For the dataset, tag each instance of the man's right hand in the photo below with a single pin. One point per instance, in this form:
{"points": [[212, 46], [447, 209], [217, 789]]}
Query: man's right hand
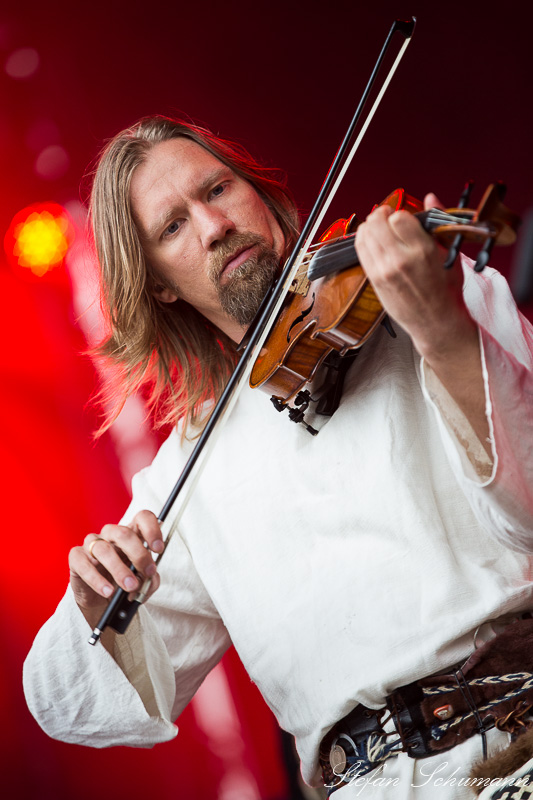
{"points": [[93, 574]]}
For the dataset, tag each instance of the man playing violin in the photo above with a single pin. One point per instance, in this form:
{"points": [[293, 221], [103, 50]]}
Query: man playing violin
{"points": [[343, 567]]}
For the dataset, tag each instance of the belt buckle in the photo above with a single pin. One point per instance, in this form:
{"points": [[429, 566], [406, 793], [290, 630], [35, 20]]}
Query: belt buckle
{"points": [[361, 724], [343, 751]]}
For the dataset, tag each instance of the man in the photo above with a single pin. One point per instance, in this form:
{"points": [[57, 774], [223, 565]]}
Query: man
{"points": [[341, 566]]}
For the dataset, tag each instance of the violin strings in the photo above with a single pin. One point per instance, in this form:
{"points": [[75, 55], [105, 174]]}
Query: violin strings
{"points": [[338, 245], [333, 243], [435, 216]]}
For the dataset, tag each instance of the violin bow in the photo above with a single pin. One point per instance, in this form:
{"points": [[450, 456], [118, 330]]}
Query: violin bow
{"points": [[121, 609]]}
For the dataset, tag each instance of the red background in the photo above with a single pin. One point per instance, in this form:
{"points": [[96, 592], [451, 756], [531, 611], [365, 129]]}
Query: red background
{"points": [[284, 79]]}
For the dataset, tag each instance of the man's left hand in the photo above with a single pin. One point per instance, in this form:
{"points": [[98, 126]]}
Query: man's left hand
{"points": [[405, 266]]}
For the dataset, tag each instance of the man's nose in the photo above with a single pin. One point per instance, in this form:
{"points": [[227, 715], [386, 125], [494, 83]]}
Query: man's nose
{"points": [[214, 225]]}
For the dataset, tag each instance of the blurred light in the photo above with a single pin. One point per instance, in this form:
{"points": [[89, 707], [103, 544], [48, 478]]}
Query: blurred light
{"points": [[38, 238], [22, 63], [52, 162]]}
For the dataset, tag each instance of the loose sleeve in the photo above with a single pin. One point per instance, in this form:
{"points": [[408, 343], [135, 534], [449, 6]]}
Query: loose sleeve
{"points": [[79, 694], [499, 489], [85, 695]]}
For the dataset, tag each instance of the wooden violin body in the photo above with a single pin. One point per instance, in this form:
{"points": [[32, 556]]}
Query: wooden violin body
{"points": [[331, 305], [337, 312]]}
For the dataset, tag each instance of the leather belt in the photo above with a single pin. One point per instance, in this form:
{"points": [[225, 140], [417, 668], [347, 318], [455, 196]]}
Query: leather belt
{"points": [[494, 687]]}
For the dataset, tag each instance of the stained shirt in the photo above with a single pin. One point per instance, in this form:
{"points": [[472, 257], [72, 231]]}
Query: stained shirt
{"points": [[341, 566]]}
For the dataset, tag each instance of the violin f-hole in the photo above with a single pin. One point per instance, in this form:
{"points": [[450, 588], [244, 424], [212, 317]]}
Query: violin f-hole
{"points": [[300, 318]]}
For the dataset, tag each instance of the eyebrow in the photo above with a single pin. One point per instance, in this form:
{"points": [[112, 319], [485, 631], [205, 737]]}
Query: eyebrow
{"points": [[173, 211]]}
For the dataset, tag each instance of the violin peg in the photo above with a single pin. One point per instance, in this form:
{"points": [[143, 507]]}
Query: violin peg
{"points": [[464, 200], [501, 190], [465, 195], [453, 252], [483, 256]]}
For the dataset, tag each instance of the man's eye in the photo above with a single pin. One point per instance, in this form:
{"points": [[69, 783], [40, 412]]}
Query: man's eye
{"points": [[172, 228], [218, 190]]}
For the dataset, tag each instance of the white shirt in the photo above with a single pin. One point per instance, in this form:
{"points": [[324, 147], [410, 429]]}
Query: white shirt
{"points": [[340, 566]]}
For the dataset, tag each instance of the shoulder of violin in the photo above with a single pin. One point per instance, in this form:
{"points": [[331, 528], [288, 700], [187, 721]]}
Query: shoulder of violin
{"points": [[399, 200], [340, 228]]}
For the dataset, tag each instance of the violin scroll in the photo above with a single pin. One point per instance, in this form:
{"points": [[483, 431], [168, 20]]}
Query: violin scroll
{"points": [[492, 219]]}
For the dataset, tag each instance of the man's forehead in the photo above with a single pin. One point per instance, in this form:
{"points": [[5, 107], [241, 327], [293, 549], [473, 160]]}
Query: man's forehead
{"points": [[183, 157], [172, 172]]}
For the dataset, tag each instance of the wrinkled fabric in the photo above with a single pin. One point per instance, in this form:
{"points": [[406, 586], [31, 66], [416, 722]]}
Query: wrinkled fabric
{"points": [[341, 566]]}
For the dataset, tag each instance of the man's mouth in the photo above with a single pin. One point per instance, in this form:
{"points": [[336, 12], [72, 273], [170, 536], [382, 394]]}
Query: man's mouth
{"points": [[236, 260]]}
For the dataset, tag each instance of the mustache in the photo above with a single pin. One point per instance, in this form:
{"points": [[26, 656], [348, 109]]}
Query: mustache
{"points": [[228, 249]]}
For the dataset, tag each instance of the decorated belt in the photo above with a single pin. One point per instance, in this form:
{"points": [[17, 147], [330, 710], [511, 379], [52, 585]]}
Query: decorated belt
{"points": [[493, 688]]}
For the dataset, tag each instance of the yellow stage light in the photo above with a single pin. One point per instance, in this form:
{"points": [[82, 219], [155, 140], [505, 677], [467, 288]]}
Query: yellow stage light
{"points": [[39, 238]]}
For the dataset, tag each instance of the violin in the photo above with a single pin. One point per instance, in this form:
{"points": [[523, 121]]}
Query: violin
{"points": [[331, 305]]}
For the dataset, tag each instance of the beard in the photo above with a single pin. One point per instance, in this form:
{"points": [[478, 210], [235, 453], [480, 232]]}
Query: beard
{"points": [[242, 293]]}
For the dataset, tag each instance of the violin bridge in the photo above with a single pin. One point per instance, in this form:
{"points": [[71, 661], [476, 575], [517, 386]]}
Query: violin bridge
{"points": [[300, 284]]}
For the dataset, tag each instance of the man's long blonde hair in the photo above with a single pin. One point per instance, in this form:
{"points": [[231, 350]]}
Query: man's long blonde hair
{"points": [[170, 350]]}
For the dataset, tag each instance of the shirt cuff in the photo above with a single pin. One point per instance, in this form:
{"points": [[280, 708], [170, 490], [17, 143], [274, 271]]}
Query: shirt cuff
{"points": [[474, 460], [80, 694]]}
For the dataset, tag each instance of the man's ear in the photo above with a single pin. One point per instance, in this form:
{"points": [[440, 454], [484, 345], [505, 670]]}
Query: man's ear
{"points": [[164, 294]]}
